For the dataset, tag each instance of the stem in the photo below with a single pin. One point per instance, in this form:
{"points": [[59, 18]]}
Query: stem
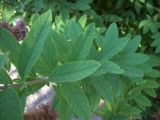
{"points": [[18, 85]]}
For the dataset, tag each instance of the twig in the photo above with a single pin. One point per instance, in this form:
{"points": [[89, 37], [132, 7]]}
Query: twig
{"points": [[18, 85]]}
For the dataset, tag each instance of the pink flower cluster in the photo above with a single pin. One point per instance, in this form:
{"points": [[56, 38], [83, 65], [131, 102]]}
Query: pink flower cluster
{"points": [[19, 29]]}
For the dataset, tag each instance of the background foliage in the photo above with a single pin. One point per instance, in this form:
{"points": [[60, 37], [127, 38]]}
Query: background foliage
{"points": [[89, 50]]}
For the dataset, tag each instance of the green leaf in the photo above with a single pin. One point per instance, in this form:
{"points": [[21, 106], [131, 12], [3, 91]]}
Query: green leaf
{"points": [[82, 21], [72, 30], [133, 44], [108, 67], [9, 43], [126, 109], [154, 74], [34, 18], [100, 40], [151, 84], [114, 82], [113, 17], [33, 45], [156, 41], [4, 77], [91, 93], [137, 80], [77, 100], [142, 101], [10, 105], [62, 45], [65, 110], [8, 12], [142, 1], [49, 57], [82, 5], [22, 98], [111, 35], [131, 71], [118, 117], [157, 49], [64, 13], [154, 60], [38, 4], [132, 58], [145, 67], [134, 92], [103, 88], [81, 47], [56, 101], [73, 71], [3, 59], [112, 49], [151, 92]]}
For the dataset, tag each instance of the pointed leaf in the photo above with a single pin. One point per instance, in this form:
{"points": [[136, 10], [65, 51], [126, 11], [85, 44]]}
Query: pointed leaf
{"points": [[132, 58], [111, 34], [72, 30], [73, 71], [131, 71], [65, 110], [10, 105], [82, 45], [126, 109], [142, 100], [9, 43], [157, 49], [110, 37], [4, 77], [134, 92], [103, 88], [33, 45], [108, 67], [154, 60], [77, 100], [114, 82], [3, 59], [91, 93], [145, 67], [151, 84], [62, 45], [112, 49], [133, 44], [151, 92], [49, 57], [82, 21]]}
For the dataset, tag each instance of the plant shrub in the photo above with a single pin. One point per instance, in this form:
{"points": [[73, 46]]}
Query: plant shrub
{"points": [[83, 57]]}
